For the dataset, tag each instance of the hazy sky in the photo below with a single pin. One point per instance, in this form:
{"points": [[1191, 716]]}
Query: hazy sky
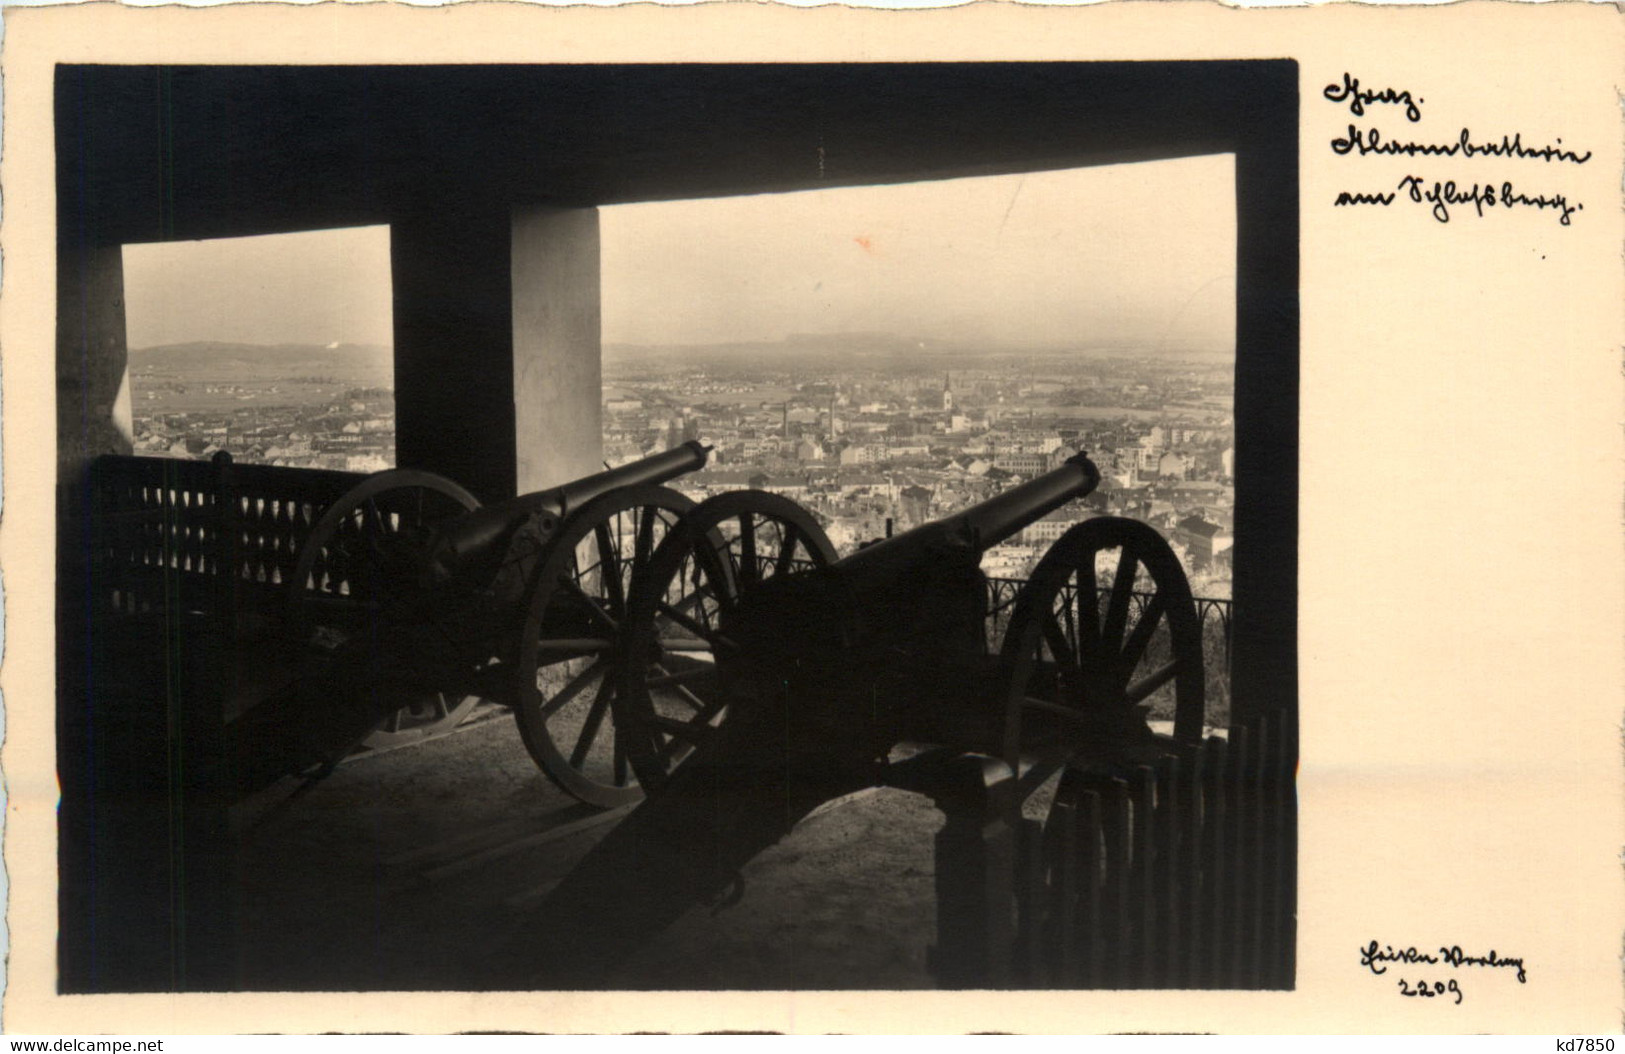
{"points": [[309, 288], [1126, 252]]}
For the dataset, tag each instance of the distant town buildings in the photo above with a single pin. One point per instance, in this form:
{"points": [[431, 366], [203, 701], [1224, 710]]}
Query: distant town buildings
{"points": [[350, 429], [859, 444]]}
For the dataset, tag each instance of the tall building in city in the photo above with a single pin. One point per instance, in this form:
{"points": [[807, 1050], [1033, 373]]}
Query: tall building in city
{"points": [[947, 393]]}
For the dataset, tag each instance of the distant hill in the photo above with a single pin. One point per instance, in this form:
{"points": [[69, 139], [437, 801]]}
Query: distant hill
{"points": [[799, 351], [803, 350], [220, 357]]}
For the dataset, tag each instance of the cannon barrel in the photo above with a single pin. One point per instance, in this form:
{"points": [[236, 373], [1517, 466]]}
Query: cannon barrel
{"points": [[980, 527], [467, 544], [563, 500], [925, 582]]}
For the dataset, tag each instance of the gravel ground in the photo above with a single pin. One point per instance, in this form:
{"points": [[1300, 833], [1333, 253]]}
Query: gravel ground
{"points": [[400, 871]]}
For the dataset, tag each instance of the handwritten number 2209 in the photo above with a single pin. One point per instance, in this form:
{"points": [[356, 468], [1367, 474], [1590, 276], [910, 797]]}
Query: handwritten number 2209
{"points": [[1433, 991]]}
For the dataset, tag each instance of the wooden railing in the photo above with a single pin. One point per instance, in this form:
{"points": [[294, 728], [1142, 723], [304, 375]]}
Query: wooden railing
{"points": [[1174, 875], [163, 529], [1179, 874]]}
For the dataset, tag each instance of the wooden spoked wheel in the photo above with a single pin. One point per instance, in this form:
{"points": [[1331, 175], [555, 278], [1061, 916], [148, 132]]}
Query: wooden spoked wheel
{"points": [[1104, 647], [572, 645], [678, 692], [340, 589]]}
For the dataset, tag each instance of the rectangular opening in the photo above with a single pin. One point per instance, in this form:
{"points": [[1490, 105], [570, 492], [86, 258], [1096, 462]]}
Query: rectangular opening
{"points": [[891, 355], [898, 353], [276, 349]]}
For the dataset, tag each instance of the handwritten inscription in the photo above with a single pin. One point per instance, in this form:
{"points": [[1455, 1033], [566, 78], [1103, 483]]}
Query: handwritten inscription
{"points": [[1370, 141], [1380, 958], [1447, 197], [1358, 100], [1441, 195]]}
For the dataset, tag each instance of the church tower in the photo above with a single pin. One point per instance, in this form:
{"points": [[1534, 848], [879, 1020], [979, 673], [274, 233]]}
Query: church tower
{"points": [[947, 393]]}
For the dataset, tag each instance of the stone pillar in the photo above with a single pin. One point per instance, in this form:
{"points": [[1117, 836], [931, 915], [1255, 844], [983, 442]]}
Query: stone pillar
{"points": [[557, 348], [92, 361], [453, 348], [497, 346]]}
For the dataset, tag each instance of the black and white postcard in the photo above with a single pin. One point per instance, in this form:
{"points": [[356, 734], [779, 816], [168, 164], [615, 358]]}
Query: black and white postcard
{"points": [[736, 517]]}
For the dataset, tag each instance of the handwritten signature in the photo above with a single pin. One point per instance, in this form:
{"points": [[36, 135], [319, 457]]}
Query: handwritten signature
{"points": [[1375, 958]]}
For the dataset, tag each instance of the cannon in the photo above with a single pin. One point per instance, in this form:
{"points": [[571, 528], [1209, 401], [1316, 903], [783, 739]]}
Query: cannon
{"points": [[765, 678], [415, 602], [890, 644]]}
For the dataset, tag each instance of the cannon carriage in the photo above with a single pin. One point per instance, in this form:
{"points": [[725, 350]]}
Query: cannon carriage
{"points": [[889, 645], [411, 602]]}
